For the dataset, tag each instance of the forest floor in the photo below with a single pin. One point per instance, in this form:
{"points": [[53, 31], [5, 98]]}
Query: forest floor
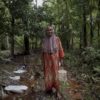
{"points": [[73, 89]]}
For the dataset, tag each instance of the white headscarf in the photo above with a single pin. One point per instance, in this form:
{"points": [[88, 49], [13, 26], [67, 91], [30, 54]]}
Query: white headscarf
{"points": [[50, 44]]}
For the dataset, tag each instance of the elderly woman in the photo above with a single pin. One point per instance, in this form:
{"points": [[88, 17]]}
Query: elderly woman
{"points": [[52, 53]]}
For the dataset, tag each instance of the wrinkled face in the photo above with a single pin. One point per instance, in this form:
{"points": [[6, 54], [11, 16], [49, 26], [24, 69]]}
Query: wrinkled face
{"points": [[50, 31]]}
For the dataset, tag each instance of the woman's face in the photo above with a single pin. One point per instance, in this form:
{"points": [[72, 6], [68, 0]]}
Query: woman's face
{"points": [[50, 31]]}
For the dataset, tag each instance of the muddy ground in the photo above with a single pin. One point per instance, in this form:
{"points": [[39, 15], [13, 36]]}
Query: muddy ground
{"points": [[72, 90]]}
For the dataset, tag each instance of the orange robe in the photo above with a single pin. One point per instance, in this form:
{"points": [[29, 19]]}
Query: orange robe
{"points": [[51, 66]]}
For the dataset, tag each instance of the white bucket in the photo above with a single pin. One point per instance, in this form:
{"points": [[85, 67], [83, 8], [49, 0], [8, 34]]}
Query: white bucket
{"points": [[62, 75]]}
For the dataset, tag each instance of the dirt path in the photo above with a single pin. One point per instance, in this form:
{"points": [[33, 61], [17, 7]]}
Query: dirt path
{"points": [[72, 91]]}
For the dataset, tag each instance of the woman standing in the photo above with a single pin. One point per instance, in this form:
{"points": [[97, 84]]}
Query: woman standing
{"points": [[52, 53]]}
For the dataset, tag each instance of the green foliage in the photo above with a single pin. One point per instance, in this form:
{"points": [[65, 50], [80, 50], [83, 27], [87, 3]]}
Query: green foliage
{"points": [[67, 16], [19, 43], [64, 85], [97, 69], [4, 19], [85, 66], [86, 62], [91, 58], [89, 54]]}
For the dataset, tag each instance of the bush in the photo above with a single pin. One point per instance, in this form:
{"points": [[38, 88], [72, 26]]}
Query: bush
{"points": [[90, 57]]}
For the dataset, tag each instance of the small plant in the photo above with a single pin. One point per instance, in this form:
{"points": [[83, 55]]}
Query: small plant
{"points": [[63, 86]]}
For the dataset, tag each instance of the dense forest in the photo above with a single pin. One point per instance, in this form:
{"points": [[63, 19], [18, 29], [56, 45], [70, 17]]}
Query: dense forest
{"points": [[76, 22]]}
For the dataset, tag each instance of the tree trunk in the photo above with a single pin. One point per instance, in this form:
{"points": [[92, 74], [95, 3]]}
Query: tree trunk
{"points": [[67, 44], [99, 24], [35, 42], [7, 42], [3, 44], [32, 46], [72, 42], [12, 36], [84, 28], [98, 35], [91, 28], [81, 40], [26, 44]]}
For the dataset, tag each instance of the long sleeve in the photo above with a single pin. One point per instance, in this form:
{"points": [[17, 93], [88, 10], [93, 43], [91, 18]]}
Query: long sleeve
{"points": [[61, 51]]}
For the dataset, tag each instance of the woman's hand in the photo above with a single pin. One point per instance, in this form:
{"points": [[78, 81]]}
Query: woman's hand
{"points": [[61, 62]]}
